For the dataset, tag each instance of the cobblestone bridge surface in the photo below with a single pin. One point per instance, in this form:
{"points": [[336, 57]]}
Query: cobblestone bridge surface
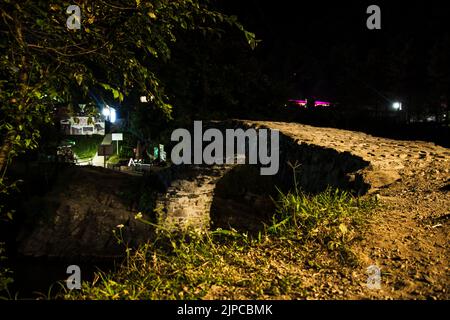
{"points": [[328, 157]]}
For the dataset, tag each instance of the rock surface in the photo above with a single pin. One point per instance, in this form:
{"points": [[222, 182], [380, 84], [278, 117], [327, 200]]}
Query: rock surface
{"points": [[388, 158], [77, 218]]}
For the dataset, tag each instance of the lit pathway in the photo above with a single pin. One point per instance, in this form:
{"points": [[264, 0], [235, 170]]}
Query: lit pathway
{"points": [[99, 161]]}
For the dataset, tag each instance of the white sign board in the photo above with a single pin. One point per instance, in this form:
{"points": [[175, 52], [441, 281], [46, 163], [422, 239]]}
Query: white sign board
{"points": [[117, 136]]}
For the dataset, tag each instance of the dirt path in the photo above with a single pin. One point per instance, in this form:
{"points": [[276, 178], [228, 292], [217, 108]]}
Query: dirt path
{"points": [[408, 237]]}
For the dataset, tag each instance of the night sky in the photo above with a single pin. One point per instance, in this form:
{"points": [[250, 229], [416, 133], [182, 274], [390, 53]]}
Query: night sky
{"points": [[301, 35], [321, 23]]}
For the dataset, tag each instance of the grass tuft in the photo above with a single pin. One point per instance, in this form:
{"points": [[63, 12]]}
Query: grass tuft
{"points": [[226, 264]]}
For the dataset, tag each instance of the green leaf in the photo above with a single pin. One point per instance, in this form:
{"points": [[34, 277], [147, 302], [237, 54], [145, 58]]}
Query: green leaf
{"points": [[106, 86], [116, 93], [152, 51], [40, 22], [78, 78], [37, 94]]}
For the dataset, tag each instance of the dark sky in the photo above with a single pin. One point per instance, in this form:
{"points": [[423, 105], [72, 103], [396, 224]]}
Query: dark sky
{"points": [[301, 35], [329, 21]]}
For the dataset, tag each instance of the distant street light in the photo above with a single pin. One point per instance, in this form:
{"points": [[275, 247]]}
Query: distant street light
{"points": [[112, 116], [109, 113], [144, 99], [106, 112], [397, 106]]}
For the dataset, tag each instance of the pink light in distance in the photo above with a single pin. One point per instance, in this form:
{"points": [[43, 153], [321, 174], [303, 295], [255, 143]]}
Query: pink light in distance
{"points": [[322, 104], [301, 103]]}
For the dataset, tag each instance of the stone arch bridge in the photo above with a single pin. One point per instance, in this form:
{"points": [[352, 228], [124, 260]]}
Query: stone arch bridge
{"points": [[236, 196], [76, 218]]}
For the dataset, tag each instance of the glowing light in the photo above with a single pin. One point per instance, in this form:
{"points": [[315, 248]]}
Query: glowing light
{"points": [[304, 103], [144, 99], [109, 113], [397, 106], [301, 103], [322, 104], [112, 116], [106, 111]]}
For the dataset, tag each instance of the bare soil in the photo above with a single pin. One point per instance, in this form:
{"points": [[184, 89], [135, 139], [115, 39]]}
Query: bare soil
{"points": [[408, 235]]}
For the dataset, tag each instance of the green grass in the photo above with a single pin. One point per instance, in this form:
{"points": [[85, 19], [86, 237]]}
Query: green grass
{"points": [[331, 218], [86, 146], [115, 159], [308, 231]]}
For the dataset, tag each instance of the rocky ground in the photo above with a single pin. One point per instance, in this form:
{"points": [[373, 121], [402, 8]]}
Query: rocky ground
{"points": [[408, 236]]}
